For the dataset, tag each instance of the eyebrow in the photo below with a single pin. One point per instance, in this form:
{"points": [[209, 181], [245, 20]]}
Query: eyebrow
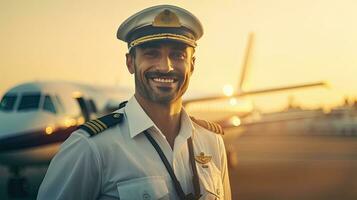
{"points": [[181, 47]]}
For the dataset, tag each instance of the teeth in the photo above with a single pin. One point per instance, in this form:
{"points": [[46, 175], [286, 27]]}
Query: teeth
{"points": [[164, 80]]}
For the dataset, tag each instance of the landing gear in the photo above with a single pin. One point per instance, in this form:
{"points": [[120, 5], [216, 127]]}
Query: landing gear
{"points": [[17, 185]]}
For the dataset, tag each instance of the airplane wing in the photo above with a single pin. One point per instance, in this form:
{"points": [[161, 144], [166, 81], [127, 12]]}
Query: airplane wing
{"points": [[256, 92], [271, 118]]}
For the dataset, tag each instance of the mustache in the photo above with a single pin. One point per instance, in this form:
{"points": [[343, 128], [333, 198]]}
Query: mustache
{"points": [[172, 74]]}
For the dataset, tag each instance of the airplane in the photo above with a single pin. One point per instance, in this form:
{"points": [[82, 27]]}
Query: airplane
{"points": [[228, 109], [233, 110], [36, 117]]}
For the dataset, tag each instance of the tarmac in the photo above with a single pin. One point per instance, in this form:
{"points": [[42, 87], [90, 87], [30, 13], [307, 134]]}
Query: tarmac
{"points": [[274, 168]]}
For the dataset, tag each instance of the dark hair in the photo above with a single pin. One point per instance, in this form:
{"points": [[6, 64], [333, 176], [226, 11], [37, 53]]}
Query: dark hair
{"points": [[132, 52]]}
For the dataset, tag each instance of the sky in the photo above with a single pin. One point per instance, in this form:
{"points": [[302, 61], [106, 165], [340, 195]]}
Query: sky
{"points": [[296, 41]]}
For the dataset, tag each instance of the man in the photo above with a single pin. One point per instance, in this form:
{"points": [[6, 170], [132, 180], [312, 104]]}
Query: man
{"points": [[150, 148]]}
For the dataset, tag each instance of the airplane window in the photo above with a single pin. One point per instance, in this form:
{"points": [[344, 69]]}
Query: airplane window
{"points": [[48, 105], [59, 102], [30, 101], [8, 102]]}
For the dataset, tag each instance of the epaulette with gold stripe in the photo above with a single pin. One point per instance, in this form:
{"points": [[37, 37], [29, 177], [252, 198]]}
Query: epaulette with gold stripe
{"points": [[211, 126], [93, 127]]}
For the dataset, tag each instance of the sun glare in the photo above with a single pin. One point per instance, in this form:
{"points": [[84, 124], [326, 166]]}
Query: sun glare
{"points": [[228, 90], [235, 121]]}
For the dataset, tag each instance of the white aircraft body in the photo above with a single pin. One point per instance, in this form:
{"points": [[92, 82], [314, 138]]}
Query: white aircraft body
{"points": [[36, 117]]}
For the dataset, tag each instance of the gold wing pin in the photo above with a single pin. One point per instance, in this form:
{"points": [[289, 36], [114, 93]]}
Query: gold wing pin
{"points": [[203, 159]]}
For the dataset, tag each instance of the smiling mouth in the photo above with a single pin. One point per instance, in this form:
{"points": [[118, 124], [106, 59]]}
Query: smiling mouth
{"points": [[164, 80]]}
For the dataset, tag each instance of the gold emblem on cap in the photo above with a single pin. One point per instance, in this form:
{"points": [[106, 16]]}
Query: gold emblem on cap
{"points": [[166, 19], [202, 159]]}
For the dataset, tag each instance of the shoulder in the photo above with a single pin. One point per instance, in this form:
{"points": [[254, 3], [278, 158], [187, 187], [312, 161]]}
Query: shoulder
{"points": [[210, 126], [97, 126]]}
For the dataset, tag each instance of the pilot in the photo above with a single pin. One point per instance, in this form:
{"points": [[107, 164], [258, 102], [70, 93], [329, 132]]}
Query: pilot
{"points": [[150, 148]]}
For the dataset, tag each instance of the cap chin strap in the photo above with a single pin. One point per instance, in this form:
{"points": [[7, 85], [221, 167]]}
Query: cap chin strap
{"points": [[162, 36]]}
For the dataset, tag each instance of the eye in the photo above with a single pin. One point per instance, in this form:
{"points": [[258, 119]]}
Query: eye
{"points": [[178, 55]]}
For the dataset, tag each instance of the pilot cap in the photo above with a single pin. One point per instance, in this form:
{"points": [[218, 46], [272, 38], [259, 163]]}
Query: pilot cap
{"points": [[162, 22]]}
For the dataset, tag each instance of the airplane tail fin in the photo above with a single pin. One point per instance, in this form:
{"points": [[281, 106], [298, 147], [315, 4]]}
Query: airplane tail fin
{"points": [[245, 63]]}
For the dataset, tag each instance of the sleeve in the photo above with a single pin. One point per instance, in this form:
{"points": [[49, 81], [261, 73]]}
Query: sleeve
{"points": [[74, 173], [224, 171]]}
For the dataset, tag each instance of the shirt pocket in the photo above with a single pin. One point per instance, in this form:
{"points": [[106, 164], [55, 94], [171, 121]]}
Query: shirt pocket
{"points": [[146, 188], [211, 181]]}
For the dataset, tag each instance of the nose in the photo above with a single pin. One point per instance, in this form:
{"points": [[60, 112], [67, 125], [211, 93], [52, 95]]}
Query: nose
{"points": [[165, 64]]}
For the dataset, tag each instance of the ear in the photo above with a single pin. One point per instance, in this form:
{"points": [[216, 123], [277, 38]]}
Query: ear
{"points": [[193, 61], [130, 63]]}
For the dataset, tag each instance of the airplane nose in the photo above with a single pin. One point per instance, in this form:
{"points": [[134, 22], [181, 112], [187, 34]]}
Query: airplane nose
{"points": [[21, 122]]}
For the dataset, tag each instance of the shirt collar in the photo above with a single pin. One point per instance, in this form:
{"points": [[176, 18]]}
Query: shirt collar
{"points": [[138, 120], [187, 127]]}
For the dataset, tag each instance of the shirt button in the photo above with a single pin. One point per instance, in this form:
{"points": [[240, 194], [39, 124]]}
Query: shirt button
{"points": [[146, 196]]}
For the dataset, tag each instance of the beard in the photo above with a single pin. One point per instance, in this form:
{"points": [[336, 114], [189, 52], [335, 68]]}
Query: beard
{"points": [[161, 95]]}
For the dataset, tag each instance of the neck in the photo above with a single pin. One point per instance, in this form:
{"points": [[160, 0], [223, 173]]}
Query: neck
{"points": [[167, 117]]}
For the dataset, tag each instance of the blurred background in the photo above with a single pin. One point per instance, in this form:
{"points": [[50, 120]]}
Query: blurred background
{"points": [[291, 144]]}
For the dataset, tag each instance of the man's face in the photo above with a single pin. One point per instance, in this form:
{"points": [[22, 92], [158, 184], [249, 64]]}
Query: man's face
{"points": [[162, 70]]}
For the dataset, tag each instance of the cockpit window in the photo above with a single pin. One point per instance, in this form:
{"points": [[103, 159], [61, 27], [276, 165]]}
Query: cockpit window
{"points": [[48, 104], [59, 103], [30, 101], [8, 102]]}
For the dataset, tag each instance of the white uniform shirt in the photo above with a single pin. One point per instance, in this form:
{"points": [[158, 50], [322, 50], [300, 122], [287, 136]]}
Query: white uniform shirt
{"points": [[120, 162]]}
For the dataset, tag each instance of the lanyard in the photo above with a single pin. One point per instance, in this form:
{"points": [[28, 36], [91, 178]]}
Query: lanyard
{"points": [[171, 172]]}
